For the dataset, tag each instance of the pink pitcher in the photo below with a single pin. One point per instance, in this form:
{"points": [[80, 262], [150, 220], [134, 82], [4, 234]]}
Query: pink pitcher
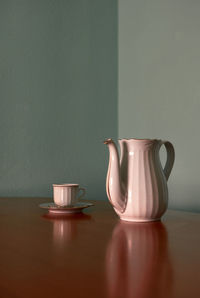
{"points": [[136, 183]]}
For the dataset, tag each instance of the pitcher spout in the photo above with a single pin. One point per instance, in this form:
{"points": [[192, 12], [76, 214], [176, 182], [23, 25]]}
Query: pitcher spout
{"points": [[115, 189]]}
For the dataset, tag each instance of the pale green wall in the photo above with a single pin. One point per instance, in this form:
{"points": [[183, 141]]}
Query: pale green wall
{"points": [[58, 94], [159, 85]]}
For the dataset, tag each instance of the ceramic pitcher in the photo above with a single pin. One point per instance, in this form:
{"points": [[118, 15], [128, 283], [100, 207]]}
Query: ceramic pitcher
{"points": [[136, 183]]}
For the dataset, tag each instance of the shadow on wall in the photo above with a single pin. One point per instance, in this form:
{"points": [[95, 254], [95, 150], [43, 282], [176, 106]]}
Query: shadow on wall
{"points": [[58, 91]]}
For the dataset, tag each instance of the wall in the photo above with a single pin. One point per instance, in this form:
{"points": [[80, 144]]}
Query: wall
{"points": [[58, 94], [159, 89]]}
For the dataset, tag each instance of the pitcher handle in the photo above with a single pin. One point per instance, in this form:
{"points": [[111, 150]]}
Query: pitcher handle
{"points": [[170, 158]]}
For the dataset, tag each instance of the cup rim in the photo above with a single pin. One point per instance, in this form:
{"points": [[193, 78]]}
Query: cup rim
{"points": [[65, 185]]}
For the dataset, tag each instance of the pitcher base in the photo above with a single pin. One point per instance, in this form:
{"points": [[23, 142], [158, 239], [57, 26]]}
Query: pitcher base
{"points": [[125, 218]]}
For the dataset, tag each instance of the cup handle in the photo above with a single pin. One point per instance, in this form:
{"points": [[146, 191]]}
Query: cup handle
{"points": [[83, 192], [170, 158]]}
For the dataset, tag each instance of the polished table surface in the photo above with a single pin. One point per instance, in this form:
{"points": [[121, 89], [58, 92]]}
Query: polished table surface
{"points": [[95, 254]]}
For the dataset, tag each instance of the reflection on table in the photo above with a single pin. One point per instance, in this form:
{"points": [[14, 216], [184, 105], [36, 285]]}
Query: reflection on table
{"points": [[138, 261], [65, 228]]}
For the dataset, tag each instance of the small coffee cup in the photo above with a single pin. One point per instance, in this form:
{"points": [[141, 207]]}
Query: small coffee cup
{"points": [[67, 194]]}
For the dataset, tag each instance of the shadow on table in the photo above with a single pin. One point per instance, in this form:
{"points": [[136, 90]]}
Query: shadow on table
{"points": [[138, 262]]}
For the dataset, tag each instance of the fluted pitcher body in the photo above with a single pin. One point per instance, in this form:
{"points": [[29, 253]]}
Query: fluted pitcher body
{"points": [[136, 183]]}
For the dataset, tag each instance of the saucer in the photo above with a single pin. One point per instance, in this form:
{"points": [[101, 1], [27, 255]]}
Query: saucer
{"points": [[55, 209]]}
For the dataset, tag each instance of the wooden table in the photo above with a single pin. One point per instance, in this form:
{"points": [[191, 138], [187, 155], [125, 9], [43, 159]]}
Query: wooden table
{"points": [[95, 254]]}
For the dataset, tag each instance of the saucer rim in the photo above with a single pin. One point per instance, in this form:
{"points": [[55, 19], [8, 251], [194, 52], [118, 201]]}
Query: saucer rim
{"points": [[53, 206]]}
